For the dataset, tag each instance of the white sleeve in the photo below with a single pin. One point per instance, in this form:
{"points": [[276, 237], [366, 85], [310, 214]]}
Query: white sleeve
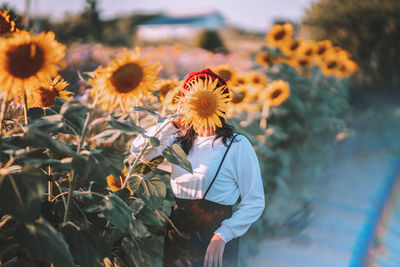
{"points": [[166, 137], [251, 191]]}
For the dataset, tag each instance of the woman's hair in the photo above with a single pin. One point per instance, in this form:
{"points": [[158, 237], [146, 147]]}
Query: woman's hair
{"points": [[187, 138]]}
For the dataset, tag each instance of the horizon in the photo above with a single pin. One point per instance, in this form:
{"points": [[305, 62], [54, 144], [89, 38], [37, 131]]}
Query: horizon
{"points": [[257, 16]]}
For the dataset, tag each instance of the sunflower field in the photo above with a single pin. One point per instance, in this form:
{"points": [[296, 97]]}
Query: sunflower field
{"points": [[72, 194]]}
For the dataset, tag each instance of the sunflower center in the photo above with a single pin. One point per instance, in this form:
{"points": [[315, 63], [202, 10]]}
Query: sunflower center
{"points": [[294, 45], [238, 97], [165, 89], [321, 50], [331, 64], [24, 61], [240, 81], [127, 77], [256, 80], [204, 103], [226, 74], [5, 26], [276, 93], [309, 52], [303, 62], [279, 35], [47, 98]]}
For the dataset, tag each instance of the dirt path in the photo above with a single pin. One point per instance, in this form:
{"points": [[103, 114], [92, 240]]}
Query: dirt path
{"points": [[348, 202]]}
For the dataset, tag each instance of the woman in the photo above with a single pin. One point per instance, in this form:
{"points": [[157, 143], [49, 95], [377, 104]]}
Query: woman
{"points": [[225, 167]]}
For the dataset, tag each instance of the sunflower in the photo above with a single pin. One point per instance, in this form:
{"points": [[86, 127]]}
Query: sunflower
{"points": [[239, 79], [225, 71], [322, 47], [115, 185], [241, 97], [279, 34], [6, 25], [124, 82], [171, 100], [275, 93], [307, 48], [204, 104], [45, 96], [28, 61], [346, 68], [290, 47], [330, 64], [256, 79], [164, 86], [264, 58]]}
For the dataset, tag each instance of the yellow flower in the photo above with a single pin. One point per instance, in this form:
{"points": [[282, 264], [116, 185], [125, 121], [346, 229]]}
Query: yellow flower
{"points": [[275, 93], [307, 48], [239, 79], [290, 47], [171, 100], [279, 34], [241, 97], [225, 71], [115, 185], [346, 68], [164, 86], [264, 58], [330, 64], [204, 104], [6, 26], [124, 82], [45, 96], [28, 61], [256, 79], [322, 47]]}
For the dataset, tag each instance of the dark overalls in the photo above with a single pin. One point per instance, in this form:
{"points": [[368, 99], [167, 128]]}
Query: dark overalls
{"points": [[195, 221]]}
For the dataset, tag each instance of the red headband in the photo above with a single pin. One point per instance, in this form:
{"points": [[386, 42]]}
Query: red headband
{"points": [[202, 75]]}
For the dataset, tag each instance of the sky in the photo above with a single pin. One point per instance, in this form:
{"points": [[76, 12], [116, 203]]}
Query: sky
{"points": [[247, 14]]}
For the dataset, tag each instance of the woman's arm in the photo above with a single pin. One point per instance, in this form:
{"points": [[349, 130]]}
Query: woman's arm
{"points": [[166, 137], [251, 190]]}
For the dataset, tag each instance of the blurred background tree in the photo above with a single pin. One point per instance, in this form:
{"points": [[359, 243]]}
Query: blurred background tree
{"points": [[369, 30], [211, 40]]}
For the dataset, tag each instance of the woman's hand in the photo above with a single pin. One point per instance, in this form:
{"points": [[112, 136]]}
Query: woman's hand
{"points": [[215, 251]]}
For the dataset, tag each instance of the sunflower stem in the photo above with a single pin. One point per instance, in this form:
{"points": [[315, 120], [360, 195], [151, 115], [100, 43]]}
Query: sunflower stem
{"points": [[264, 116], [49, 185], [26, 109], [141, 154], [2, 113], [78, 150]]}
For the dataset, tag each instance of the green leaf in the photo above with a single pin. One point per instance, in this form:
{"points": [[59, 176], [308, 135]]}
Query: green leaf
{"points": [[150, 190], [98, 164], [122, 216], [84, 76], [142, 252], [154, 141], [42, 241], [126, 126], [148, 111], [21, 193], [83, 245], [177, 156], [36, 138]]}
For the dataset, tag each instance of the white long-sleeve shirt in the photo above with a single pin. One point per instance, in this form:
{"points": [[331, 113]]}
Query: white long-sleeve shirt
{"points": [[239, 175]]}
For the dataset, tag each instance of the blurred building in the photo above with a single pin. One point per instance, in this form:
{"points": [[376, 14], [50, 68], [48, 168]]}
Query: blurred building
{"points": [[165, 27]]}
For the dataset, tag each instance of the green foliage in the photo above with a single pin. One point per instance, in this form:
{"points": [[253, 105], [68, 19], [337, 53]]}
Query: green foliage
{"points": [[369, 30], [210, 40], [101, 224]]}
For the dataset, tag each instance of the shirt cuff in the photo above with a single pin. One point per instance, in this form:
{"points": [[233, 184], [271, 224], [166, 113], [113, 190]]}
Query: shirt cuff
{"points": [[225, 233]]}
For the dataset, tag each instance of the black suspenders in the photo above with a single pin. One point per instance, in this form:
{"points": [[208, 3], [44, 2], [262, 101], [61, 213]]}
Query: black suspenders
{"points": [[219, 167]]}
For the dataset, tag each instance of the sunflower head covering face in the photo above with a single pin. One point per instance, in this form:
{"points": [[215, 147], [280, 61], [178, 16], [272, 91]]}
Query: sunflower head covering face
{"points": [[205, 100]]}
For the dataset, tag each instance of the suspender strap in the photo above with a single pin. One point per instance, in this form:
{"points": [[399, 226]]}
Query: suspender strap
{"points": [[219, 167]]}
